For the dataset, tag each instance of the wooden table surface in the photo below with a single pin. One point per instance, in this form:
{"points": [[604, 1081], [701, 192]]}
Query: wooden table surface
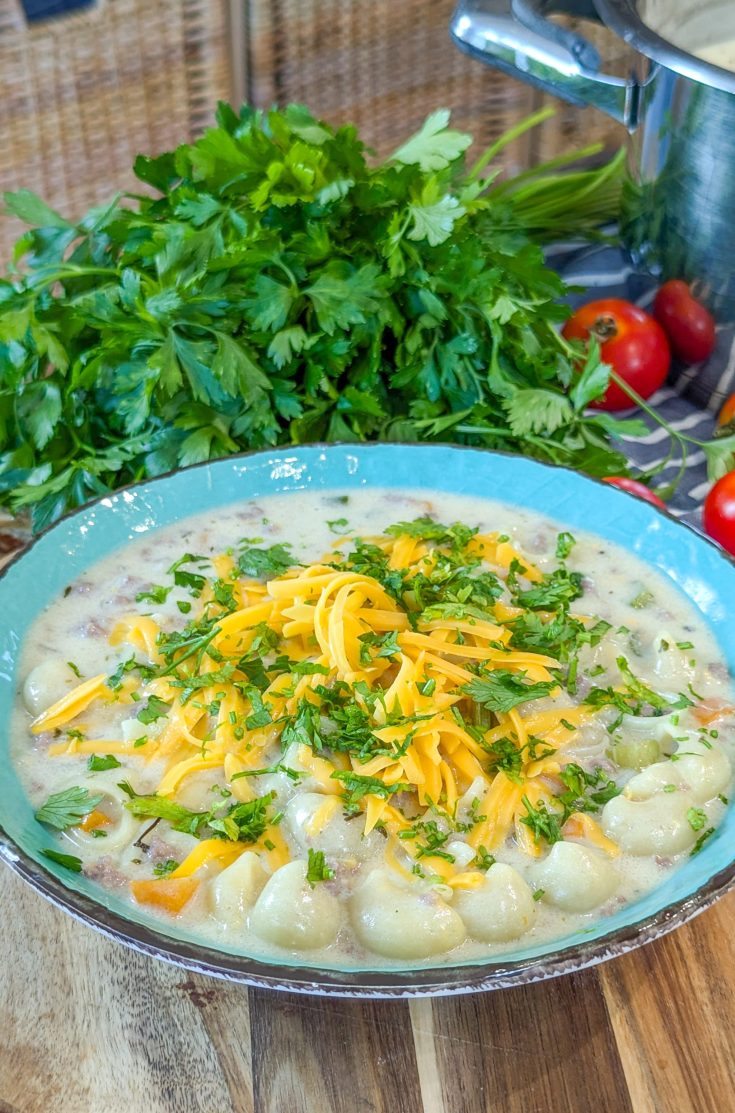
{"points": [[88, 1026]]}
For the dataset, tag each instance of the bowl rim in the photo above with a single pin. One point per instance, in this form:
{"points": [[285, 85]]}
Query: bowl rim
{"points": [[389, 983]]}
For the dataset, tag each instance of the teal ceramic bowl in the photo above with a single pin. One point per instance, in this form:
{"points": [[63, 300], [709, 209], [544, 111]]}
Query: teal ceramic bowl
{"points": [[696, 567]]}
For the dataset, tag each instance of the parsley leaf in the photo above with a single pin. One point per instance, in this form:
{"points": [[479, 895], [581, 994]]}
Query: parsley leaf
{"points": [[241, 822], [502, 690], [696, 818], [165, 869], [555, 592], [68, 861], [99, 762], [265, 563], [244, 306], [67, 808], [317, 868], [542, 823], [156, 594], [154, 710], [565, 542], [385, 645], [358, 786]]}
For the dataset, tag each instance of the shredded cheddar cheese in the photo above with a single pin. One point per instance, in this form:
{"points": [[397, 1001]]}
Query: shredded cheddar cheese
{"points": [[393, 682]]}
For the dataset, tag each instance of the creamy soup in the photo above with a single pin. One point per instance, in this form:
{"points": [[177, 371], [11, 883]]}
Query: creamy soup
{"points": [[720, 54], [374, 728]]}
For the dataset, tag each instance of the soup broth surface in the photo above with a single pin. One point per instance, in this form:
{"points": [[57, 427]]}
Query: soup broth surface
{"points": [[472, 855]]}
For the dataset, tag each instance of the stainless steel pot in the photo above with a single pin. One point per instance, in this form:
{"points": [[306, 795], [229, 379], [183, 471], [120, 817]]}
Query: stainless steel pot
{"points": [[678, 217]]}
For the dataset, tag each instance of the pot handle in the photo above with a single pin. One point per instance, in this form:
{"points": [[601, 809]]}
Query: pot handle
{"points": [[514, 36]]}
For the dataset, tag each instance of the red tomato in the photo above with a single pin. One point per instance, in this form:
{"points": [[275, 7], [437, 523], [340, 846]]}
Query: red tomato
{"points": [[719, 512], [727, 413], [688, 325], [633, 487], [632, 343]]}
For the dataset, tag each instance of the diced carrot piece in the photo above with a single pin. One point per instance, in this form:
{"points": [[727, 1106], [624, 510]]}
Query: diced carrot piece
{"points": [[707, 713], [171, 894], [94, 819]]}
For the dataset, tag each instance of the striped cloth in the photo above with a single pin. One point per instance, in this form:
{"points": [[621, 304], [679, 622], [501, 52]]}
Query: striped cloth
{"points": [[693, 395]]}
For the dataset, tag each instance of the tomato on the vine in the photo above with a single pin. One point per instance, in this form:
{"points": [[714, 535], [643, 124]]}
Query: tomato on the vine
{"points": [[719, 512], [632, 343], [633, 487], [727, 413], [689, 326]]}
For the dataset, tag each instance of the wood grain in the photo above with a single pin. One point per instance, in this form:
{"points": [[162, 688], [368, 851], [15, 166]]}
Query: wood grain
{"points": [[91, 1027], [535, 1048], [671, 1006], [352, 1056]]}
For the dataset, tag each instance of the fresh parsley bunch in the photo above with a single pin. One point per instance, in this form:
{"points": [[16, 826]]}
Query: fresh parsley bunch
{"points": [[278, 288]]}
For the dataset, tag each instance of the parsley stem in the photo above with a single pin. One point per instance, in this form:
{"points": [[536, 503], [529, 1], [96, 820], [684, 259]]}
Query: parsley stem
{"points": [[508, 137]]}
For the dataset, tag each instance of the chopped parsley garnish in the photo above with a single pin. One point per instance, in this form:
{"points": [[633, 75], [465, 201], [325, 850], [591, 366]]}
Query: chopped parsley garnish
{"points": [[696, 818], [317, 868], [245, 822], [382, 645], [97, 763], [634, 696], [641, 600], [456, 536], [278, 767], [434, 839], [154, 710], [483, 860], [156, 594], [555, 592], [578, 782], [67, 808], [542, 823], [165, 869], [358, 786], [507, 757], [242, 822], [260, 715], [115, 679], [502, 690], [565, 542], [561, 636], [68, 861], [702, 840], [74, 668], [224, 595], [262, 564]]}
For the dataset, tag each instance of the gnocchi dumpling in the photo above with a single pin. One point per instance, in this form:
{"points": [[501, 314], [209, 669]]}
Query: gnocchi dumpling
{"points": [[501, 908], [575, 878], [656, 825], [317, 819], [45, 684], [700, 770], [118, 826], [292, 913], [671, 663], [403, 921], [234, 891]]}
